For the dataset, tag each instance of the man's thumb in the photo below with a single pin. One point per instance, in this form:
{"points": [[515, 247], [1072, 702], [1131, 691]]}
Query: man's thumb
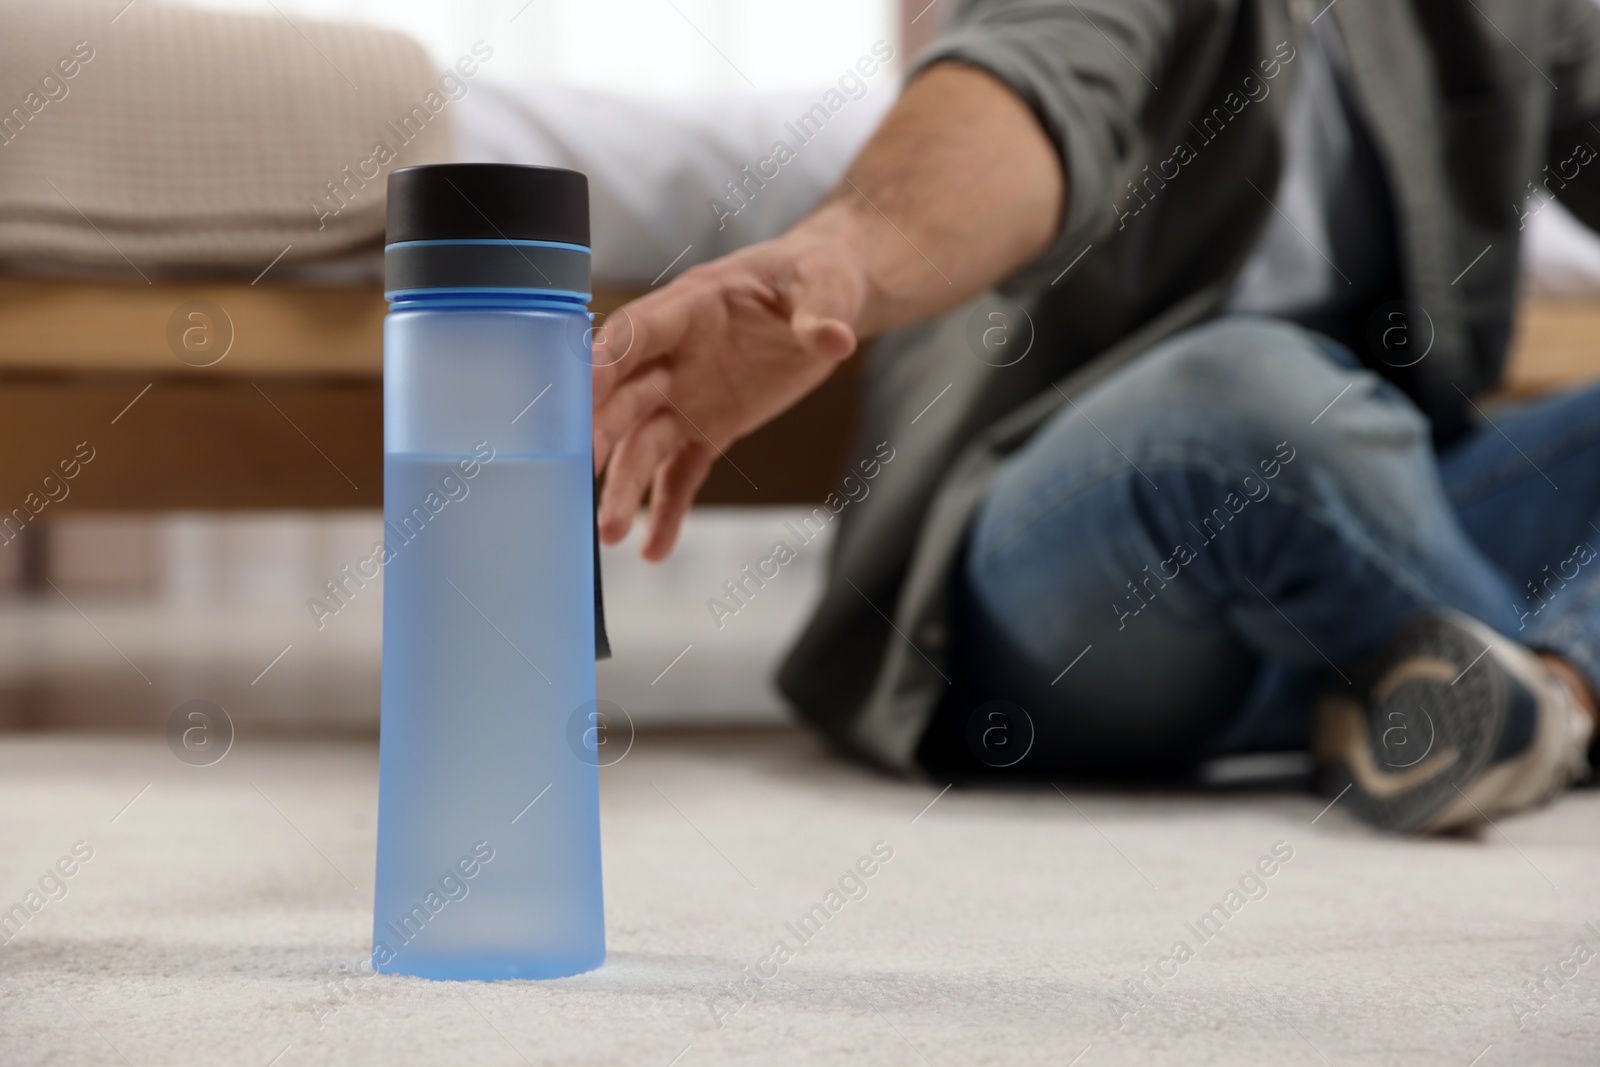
{"points": [[823, 335]]}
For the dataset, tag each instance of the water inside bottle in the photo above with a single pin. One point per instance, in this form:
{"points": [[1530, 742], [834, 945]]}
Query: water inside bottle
{"points": [[488, 662]]}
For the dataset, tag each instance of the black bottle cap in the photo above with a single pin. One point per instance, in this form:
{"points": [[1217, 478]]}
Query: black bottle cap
{"points": [[485, 201]]}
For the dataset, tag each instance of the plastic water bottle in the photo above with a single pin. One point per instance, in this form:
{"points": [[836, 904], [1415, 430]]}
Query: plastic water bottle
{"points": [[488, 790]]}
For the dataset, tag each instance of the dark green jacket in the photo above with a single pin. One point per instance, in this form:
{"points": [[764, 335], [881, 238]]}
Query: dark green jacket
{"points": [[1471, 105]]}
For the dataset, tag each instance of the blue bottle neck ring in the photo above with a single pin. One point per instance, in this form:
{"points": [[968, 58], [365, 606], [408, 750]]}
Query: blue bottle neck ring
{"points": [[500, 271]]}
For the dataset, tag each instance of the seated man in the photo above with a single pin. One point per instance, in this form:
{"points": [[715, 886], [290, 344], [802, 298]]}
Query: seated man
{"points": [[1222, 448]]}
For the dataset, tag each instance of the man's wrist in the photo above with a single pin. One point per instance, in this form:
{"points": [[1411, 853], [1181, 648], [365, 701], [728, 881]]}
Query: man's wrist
{"points": [[836, 221], [852, 234], [959, 188]]}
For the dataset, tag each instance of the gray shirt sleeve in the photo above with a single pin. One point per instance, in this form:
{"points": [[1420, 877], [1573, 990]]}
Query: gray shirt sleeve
{"points": [[1574, 169], [1086, 68]]}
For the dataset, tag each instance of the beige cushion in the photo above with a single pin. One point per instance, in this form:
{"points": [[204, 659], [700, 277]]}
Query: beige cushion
{"points": [[187, 138]]}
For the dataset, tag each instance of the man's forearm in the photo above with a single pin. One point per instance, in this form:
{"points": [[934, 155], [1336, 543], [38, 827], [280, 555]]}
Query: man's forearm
{"points": [[958, 189]]}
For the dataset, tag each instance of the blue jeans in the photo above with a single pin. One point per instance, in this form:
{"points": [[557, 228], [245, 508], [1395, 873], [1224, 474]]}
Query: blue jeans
{"points": [[1176, 562]]}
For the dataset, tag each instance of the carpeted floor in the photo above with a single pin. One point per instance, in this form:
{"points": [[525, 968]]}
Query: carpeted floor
{"points": [[219, 904]]}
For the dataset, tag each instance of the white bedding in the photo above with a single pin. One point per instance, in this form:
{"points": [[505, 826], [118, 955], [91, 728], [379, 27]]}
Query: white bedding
{"points": [[654, 166], [1560, 256]]}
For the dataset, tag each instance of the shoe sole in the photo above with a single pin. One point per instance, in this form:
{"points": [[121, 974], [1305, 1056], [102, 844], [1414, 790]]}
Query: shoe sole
{"points": [[1442, 668]]}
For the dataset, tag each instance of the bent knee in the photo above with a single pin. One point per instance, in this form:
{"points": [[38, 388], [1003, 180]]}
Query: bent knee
{"points": [[1245, 366], [1261, 381]]}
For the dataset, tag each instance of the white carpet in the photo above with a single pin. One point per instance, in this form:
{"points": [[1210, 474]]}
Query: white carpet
{"points": [[210, 922]]}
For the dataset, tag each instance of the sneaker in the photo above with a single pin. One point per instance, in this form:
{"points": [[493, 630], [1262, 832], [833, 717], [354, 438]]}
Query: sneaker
{"points": [[1446, 726]]}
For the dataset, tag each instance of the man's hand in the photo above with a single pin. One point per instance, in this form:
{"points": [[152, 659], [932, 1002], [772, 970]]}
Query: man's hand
{"points": [[684, 372], [957, 189]]}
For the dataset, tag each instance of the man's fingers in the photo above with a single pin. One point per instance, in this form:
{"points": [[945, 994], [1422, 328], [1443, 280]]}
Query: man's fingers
{"points": [[673, 490], [631, 402], [743, 335], [612, 341], [632, 466]]}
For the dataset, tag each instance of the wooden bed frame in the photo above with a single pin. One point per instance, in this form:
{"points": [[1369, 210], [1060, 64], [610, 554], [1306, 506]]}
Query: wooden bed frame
{"points": [[292, 416]]}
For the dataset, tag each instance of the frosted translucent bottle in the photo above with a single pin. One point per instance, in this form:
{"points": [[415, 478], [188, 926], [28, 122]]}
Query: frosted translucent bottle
{"points": [[488, 797]]}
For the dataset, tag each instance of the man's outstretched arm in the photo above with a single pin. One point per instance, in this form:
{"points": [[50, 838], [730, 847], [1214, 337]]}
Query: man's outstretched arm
{"points": [[958, 189]]}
